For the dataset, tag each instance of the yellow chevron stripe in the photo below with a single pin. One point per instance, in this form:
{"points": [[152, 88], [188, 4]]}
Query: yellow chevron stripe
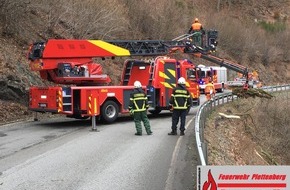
{"points": [[59, 101], [166, 84], [171, 71], [118, 51], [95, 105], [90, 104], [163, 75]]}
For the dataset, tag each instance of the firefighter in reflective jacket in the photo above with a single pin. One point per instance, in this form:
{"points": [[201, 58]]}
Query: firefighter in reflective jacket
{"points": [[209, 91], [196, 26], [180, 101], [198, 37], [138, 109]]}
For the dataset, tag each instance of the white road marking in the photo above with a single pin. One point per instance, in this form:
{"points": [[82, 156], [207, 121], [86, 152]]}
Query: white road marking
{"points": [[169, 180]]}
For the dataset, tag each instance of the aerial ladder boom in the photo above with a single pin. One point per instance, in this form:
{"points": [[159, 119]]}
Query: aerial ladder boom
{"points": [[245, 81], [55, 57], [225, 63], [45, 55]]}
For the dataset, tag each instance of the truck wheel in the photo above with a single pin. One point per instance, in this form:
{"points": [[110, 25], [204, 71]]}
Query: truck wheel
{"points": [[109, 111], [198, 102]]}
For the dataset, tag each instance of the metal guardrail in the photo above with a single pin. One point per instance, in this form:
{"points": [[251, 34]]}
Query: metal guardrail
{"points": [[207, 107]]}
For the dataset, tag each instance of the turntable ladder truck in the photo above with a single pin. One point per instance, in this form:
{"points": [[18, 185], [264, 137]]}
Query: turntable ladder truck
{"points": [[82, 90]]}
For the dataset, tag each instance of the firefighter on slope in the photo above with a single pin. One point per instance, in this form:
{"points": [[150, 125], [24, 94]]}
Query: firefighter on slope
{"points": [[180, 101], [196, 26], [138, 109], [209, 90]]}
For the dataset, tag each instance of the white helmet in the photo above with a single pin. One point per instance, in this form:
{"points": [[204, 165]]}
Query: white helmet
{"points": [[181, 80], [137, 84]]}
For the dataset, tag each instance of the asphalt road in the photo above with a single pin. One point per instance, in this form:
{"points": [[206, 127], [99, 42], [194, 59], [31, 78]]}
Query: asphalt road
{"points": [[63, 153]]}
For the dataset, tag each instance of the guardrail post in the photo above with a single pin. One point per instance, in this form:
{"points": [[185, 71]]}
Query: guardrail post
{"points": [[228, 98]]}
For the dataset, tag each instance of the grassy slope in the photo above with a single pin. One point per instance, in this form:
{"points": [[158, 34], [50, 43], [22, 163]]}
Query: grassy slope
{"points": [[260, 137]]}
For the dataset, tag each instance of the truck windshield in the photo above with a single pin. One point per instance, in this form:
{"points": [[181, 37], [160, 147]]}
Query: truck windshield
{"points": [[202, 74], [190, 73]]}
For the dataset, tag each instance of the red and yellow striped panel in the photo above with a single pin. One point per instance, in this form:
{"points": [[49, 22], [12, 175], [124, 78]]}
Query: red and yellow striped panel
{"points": [[60, 104], [62, 49], [90, 104]]}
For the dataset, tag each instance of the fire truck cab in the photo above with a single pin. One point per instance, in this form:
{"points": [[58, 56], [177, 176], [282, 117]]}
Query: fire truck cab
{"points": [[218, 76], [160, 76]]}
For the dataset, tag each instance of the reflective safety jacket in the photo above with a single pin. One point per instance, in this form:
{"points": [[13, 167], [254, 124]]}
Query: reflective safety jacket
{"points": [[138, 100], [180, 98], [196, 26], [214, 78], [209, 88]]}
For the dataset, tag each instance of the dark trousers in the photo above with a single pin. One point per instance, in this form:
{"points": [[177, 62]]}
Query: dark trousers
{"points": [[175, 119]]}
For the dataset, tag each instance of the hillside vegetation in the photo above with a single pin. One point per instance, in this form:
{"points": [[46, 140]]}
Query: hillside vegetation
{"points": [[260, 137], [253, 33]]}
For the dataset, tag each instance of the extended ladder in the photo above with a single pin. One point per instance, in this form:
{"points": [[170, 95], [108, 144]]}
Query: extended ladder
{"points": [[127, 73], [147, 47], [186, 36]]}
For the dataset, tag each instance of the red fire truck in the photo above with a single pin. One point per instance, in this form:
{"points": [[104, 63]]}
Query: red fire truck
{"points": [[246, 78], [218, 76], [82, 89]]}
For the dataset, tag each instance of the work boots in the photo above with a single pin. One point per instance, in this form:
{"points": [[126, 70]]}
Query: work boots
{"points": [[181, 133], [173, 132], [149, 132]]}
